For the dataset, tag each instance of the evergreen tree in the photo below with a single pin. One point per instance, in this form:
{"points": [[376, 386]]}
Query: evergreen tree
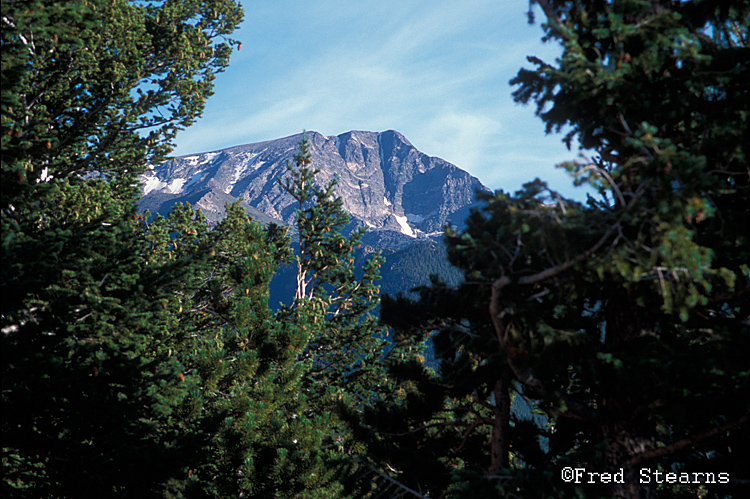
{"points": [[140, 357], [91, 93], [263, 437], [623, 320], [344, 349], [345, 344], [276, 390]]}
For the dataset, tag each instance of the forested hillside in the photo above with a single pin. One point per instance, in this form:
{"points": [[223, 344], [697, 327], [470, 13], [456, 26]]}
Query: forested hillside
{"points": [[141, 358], [412, 266]]}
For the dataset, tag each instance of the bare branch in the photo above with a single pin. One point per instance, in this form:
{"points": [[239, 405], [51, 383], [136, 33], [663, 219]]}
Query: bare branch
{"points": [[397, 483], [548, 11], [519, 244], [607, 176], [427, 426], [476, 424], [553, 271]]}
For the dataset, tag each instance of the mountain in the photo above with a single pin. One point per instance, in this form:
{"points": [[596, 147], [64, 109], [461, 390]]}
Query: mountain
{"points": [[400, 193]]}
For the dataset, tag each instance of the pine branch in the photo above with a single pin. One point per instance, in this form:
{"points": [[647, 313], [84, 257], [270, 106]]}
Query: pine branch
{"points": [[686, 442], [476, 424]]}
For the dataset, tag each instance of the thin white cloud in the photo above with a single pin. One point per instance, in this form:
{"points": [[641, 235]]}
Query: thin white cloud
{"points": [[459, 135], [436, 71]]}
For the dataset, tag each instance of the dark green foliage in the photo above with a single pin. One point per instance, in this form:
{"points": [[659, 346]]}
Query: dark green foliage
{"points": [[264, 436], [102, 86], [91, 385], [624, 320], [140, 357], [91, 92]]}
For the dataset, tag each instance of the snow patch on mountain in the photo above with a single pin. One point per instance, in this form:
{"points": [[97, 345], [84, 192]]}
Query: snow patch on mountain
{"points": [[152, 183], [385, 183], [241, 168], [405, 227], [176, 185], [200, 159]]}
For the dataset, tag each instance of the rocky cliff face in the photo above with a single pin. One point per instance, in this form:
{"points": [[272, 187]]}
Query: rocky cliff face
{"points": [[400, 193]]}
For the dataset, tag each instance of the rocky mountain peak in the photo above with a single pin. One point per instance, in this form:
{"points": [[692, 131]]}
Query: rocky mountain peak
{"points": [[385, 182]]}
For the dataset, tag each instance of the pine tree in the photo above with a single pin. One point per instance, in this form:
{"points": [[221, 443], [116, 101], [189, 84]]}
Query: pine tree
{"points": [[261, 438], [140, 357], [91, 93], [269, 405], [623, 321], [345, 344], [344, 349]]}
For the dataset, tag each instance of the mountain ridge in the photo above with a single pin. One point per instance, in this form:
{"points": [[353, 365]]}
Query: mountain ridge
{"points": [[384, 181]]}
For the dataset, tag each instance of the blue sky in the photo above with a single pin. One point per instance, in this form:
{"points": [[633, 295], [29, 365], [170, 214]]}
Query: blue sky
{"points": [[436, 71]]}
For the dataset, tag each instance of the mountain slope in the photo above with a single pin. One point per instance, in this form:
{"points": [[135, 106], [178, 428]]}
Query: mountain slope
{"points": [[400, 193]]}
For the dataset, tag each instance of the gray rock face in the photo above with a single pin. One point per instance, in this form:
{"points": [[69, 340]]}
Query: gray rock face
{"points": [[385, 182]]}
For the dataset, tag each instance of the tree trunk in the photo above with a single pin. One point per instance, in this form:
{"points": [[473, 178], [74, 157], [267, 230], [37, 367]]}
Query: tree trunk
{"points": [[500, 443], [622, 444]]}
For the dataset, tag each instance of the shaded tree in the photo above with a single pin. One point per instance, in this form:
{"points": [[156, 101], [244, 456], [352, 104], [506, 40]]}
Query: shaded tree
{"points": [[623, 320], [140, 356], [91, 93], [336, 297]]}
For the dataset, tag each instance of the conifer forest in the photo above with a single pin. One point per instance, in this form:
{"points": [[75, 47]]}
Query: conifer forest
{"points": [[592, 349]]}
